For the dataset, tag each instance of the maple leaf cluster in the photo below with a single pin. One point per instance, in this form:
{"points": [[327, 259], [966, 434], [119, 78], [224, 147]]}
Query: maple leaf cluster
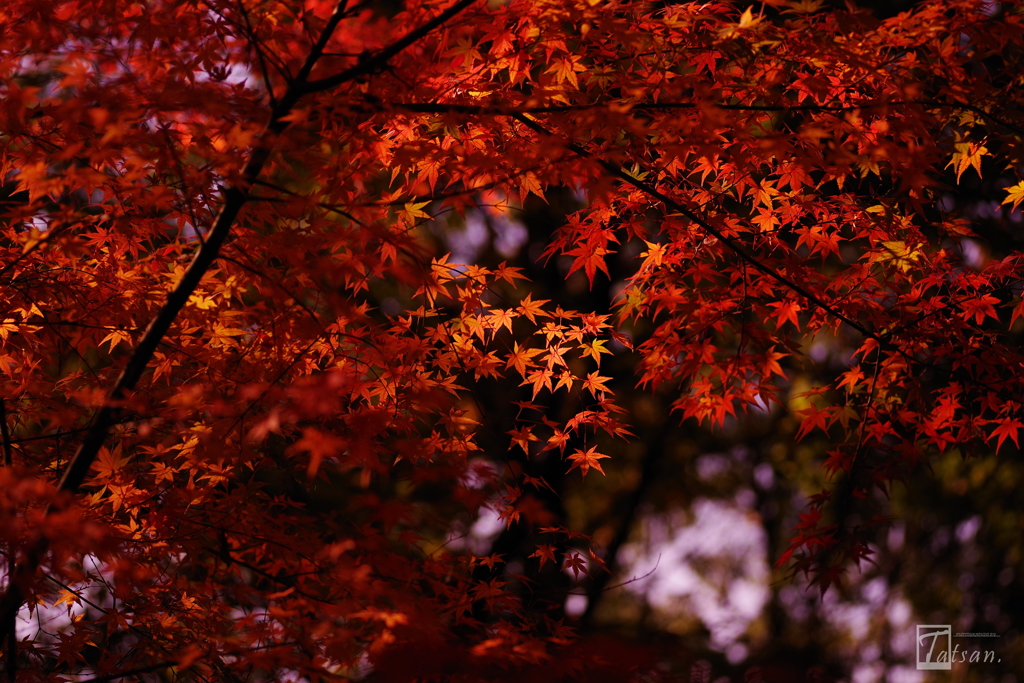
{"points": [[240, 386]]}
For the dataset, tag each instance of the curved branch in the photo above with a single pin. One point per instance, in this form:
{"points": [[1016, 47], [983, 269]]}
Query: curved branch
{"points": [[379, 60], [883, 339]]}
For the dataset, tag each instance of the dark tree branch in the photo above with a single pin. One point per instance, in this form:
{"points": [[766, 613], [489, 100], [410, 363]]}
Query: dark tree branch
{"points": [[379, 60], [705, 225], [884, 339], [235, 197]]}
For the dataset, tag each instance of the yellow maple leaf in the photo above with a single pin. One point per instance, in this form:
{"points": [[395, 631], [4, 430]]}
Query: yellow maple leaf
{"points": [[70, 597], [655, 254], [1015, 194], [7, 326], [967, 154], [202, 302], [902, 255], [115, 338], [414, 211], [594, 349]]}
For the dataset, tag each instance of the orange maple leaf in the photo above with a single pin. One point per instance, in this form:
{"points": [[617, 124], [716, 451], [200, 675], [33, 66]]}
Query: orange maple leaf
{"points": [[587, 459]]}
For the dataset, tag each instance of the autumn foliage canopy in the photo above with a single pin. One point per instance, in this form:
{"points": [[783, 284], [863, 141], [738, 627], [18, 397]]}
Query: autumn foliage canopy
{"points": [[240, 378]]}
